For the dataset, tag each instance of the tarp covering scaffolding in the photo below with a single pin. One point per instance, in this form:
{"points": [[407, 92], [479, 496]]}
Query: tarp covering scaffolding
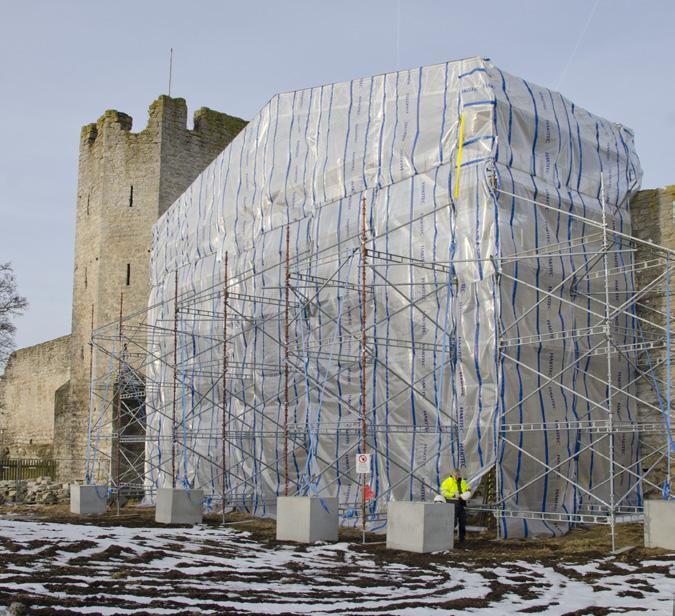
{"points": [[432, 266]]}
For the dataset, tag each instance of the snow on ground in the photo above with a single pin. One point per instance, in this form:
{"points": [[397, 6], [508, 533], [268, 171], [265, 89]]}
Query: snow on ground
{"points": [[85, 569]]}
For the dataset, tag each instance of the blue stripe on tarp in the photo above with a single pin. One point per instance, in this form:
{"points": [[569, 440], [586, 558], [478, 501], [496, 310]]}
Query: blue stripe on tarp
{"points": [[344, 155], [455, 435], [475, 161], [290, 157], [317, 139], [560, 309], [438, 381], [533, 170], [479, 69], [533, 167], [297, 325], [628, 286], [588, 289], [304, 165], [478, 374], [563, 326], [514, 292], [490, 103], [378, 181], [393, 136], [510, 125], [255, 174], [489, 138], [365, 137], [417, 117], [479, 261], [588, 359], [569, 140], [445, 109], [328, 125], [581, 152], [236, 206]]}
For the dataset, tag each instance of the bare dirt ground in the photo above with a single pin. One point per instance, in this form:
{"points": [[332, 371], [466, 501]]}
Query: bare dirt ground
{"points": [[54, 562]]}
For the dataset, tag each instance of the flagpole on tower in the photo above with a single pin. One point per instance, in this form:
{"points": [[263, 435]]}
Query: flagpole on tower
{"points": [[170, 68]]}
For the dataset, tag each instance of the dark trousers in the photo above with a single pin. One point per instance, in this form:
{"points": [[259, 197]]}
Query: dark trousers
{"points": [[460, 516]]}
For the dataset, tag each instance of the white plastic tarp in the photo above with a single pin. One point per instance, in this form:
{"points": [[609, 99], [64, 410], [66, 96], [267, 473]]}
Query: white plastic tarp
{"points": [[442, 283]]}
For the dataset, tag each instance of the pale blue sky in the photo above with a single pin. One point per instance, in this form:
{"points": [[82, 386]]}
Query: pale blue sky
{"points": [[62, 63]]}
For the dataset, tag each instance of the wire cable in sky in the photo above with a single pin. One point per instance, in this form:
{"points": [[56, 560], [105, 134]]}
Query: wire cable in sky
{"points": [[576, 46]]}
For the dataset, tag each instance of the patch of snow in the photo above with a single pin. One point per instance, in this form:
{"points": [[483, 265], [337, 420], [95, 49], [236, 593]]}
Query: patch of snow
{"points": [[218, 569]]}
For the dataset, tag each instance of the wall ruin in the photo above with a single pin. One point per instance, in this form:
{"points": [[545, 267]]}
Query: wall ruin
{"points": [[32, 377]]}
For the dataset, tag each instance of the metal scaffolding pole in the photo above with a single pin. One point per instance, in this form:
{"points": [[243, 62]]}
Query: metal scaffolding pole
{"points": [[608, 340], [175, 382], [364, 445], [224, 394], [287, 280], [118, 430]]}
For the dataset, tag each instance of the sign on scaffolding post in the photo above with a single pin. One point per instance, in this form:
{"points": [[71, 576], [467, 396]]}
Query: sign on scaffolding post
{"points": [[363, 464]]}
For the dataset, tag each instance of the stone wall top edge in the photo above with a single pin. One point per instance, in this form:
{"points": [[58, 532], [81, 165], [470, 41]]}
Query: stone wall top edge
{"points": [[40, 345], [669, 188], [164, 112]]}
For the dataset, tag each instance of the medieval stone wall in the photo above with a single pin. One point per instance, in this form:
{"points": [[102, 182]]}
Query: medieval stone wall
{"points": [[27, 391], [653, 220]]}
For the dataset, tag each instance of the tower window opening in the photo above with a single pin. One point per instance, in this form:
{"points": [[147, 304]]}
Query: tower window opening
{"points": [[85, 277], [88, 198], [131, 196], [128, 274]]}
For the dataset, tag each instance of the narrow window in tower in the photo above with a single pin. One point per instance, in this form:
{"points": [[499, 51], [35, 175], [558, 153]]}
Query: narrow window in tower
{"points": [[128, 274], [85, 277], [131, 196], [88, 197]]}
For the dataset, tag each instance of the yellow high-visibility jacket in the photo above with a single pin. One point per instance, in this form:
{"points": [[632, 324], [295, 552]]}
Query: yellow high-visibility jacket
{"points": [[450, 489]]}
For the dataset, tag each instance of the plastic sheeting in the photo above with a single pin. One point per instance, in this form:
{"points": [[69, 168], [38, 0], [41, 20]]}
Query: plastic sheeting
{"points": [[442, 284]]}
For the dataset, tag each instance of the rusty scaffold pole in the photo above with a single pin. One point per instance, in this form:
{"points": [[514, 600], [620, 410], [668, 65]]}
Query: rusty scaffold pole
{"points": [[175, 381], [363, 361], [286, 342], [118, 431], [224, 426]]}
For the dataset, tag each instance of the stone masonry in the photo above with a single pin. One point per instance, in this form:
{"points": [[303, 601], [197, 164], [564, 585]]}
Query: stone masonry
{"points": [[27, 391], [653, 219], [126, 181]]}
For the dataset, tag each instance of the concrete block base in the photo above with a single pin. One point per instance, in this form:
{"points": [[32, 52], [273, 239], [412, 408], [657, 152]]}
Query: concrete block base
{"points": [[178, 506], [420, 527], [307, 519], [660, 524], [86, 500]]}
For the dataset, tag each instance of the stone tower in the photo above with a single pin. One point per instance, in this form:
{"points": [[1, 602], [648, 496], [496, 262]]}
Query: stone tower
{"points": [[126, 180]]}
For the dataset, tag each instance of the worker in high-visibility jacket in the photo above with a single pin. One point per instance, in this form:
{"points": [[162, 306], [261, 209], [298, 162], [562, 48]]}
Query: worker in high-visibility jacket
{"points": [[456, 490]]}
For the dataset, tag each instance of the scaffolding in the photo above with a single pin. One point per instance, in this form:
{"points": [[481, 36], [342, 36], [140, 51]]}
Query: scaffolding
{"points": [[467, 313], [119, 433]]}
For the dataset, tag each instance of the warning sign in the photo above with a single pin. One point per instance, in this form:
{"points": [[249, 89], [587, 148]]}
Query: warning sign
{"points": [[363, 463]]}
